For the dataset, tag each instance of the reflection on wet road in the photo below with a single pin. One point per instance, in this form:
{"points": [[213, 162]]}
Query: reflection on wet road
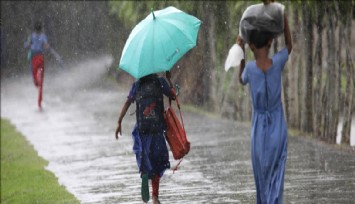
{"points": [[75, 133]]}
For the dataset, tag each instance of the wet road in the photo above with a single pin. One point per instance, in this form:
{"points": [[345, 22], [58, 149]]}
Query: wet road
{"points": [[75, 133]]}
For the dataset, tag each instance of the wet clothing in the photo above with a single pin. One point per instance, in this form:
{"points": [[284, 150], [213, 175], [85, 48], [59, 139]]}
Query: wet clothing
{"points": [[38, 74], [152, 154], [155, 185], [36, 43], [269, 129]]}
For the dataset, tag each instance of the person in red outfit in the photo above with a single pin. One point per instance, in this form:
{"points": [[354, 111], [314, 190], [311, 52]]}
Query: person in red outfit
{"points": [[38, 43]]}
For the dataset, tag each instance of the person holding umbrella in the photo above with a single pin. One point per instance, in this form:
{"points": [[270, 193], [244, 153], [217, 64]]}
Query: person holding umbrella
{"points": [[269, 129], [37, 42], [148, 135], [154, 46]]}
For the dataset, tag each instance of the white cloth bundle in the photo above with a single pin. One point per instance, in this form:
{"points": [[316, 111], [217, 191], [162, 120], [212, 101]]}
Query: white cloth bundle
{"points": [[235, 55]]}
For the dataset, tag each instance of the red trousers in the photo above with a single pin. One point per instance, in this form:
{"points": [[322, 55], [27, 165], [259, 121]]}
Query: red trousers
{"points": [[38, 74]]}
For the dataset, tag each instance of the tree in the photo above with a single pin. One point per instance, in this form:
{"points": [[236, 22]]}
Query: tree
{"points": [[318, 70], [294, 74], [347, 9], [307, 114], [331, 113]]}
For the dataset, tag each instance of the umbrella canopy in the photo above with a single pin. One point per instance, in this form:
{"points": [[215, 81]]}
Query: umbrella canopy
{"points": [[159, 41]]}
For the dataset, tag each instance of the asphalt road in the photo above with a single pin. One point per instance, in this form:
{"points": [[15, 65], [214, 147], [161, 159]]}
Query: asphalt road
{"points": [[75, 133]]}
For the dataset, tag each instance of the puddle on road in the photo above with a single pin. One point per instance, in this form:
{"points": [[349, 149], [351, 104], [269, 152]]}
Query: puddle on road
{"points": [[75, 133]]}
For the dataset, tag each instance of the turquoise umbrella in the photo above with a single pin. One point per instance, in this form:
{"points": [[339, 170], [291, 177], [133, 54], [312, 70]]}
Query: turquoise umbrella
{"points": [[159, 41]]}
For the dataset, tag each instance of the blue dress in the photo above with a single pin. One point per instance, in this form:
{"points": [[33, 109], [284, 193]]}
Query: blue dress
{"points": [[269, 129], [151, 152]]}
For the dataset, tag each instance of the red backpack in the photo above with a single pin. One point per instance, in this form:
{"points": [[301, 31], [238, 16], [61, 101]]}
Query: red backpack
{"points": [[175, 133]]}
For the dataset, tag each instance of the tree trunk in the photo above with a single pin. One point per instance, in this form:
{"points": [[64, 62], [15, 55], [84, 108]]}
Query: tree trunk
{"points": [[221, 93], [349, 90], [299, 70], [230, 96], [301, 79], [293, 118], [331, 111], [210, 51], [307, 114], [317, 105]]}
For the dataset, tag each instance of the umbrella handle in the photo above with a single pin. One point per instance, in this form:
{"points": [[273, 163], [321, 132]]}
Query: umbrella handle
{"points": [[177, 87], [168, 76]]}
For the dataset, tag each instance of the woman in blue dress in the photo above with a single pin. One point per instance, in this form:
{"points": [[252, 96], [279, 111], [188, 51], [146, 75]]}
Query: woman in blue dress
{"points": [[269, 129], [148, 134]]}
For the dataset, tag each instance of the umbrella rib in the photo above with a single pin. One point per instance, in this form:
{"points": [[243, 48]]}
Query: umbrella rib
{"points": [[145, 38], [138, 48], [181, 33]]}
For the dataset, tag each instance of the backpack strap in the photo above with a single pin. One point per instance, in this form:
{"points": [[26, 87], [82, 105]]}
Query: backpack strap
{"points": [[177, 102], [177, 165], [178, 105]]}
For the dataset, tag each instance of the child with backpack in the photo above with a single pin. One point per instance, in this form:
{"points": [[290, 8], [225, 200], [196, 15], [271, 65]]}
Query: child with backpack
{"points": [[269, 129], [148, 134]]}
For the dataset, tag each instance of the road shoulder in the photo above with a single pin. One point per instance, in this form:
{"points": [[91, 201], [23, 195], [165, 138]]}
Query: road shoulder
{"points": [[23, 175]]}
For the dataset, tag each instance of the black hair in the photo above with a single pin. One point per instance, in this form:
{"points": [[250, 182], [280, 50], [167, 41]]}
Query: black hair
{"points": [[259, 38], [267, 1], [38, 26]]}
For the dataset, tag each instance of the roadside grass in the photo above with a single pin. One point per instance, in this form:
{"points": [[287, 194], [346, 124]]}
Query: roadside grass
{"points": [[23, 175]]}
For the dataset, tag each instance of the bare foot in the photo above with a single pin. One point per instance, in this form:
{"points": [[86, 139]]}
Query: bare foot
{"points": [[155, 200]]}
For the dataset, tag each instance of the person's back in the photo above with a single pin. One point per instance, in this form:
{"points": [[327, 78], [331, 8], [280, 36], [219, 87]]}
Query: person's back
{"points": [[269, 129], [150, 105], [266, 84], [148, 134]]}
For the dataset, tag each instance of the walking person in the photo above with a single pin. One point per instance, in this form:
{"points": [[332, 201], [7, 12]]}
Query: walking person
{"points": [[148, 134], [269, 130], [38, 43]]}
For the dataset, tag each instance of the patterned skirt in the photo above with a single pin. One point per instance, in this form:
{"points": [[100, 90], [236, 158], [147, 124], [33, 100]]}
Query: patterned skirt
{"points": [[152, 154]]}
